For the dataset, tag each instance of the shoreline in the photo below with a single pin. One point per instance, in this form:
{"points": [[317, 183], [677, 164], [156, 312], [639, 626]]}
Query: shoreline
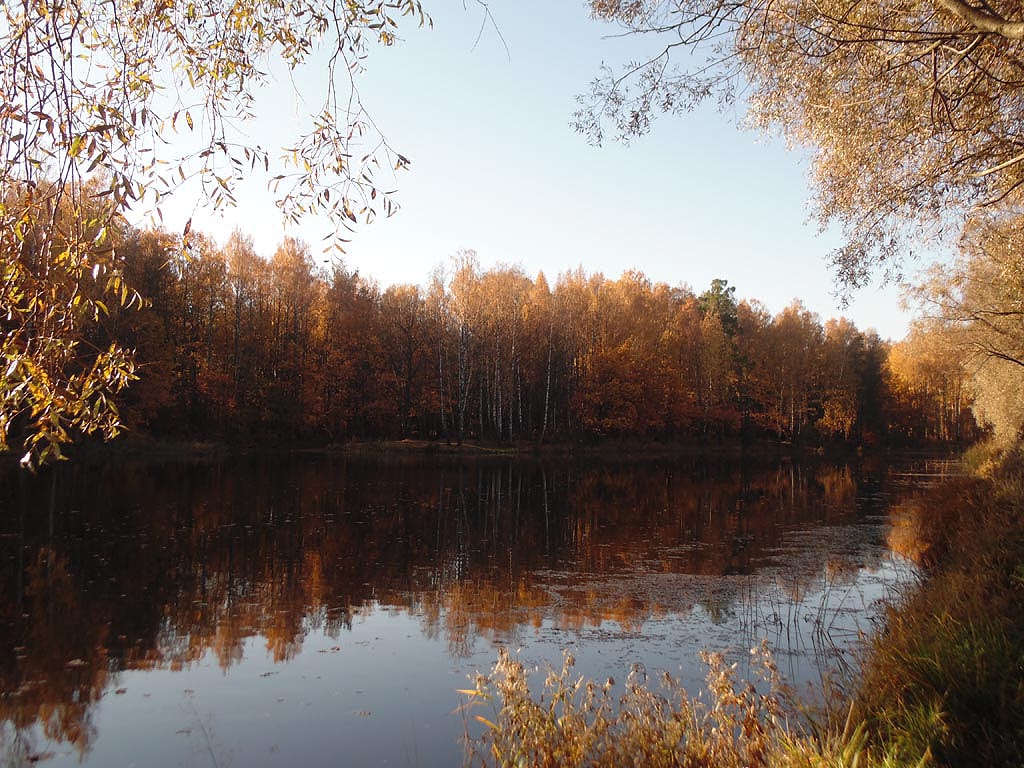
{"points": [[628, 449]]}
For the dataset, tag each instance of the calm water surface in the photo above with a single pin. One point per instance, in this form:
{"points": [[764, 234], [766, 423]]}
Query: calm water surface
{"points": [[313, 611]]}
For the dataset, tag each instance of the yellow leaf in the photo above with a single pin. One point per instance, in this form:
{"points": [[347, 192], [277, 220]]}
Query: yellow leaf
{"points": [[486, 722]]}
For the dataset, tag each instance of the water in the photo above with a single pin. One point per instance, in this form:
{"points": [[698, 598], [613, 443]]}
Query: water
{"points": [[322, 611]]}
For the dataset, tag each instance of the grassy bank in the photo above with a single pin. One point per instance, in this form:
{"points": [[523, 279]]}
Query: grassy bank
{"points": [[944, 682], [941, 685]]}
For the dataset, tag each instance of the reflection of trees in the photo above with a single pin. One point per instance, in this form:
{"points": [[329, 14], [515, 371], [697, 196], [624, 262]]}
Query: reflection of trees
{"points": [[57, 668], [904, 533], [160, 566]]}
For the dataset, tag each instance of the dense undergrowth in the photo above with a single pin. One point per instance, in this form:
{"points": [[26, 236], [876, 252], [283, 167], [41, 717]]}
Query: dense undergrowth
{"points": [[941, 685]]}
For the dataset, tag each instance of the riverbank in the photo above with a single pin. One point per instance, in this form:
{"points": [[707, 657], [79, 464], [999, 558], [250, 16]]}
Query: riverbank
{"points": [[944, 682], [621, 448], [941, 685], [136, 446]]}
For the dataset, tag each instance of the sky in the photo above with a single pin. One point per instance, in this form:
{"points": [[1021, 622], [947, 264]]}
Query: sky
{"points": [[496, 167]]}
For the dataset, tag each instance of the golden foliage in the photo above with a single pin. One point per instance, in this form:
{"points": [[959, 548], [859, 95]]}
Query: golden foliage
{"points": [[579, 722], [912, 108]]}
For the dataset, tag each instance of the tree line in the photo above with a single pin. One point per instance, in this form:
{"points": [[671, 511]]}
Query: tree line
{"points": [[83, 145], [231, 345]]}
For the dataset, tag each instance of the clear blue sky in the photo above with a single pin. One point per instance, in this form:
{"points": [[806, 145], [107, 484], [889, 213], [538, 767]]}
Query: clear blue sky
{"points": [[497, 168]]}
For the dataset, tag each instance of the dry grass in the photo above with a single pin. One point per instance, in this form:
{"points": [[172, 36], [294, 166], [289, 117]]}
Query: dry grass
{"points": [[944, 682], [577, 722]]}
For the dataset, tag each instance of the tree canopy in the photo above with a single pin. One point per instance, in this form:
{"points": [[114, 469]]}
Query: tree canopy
{"points": [[975, 307], [236, 347], [912, 108]]}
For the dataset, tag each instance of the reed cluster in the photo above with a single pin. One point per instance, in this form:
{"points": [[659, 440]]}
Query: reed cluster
{"points": [[576, 722]]}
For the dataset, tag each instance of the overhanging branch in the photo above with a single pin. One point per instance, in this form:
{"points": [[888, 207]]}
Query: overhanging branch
{"points": [[984, 21]]}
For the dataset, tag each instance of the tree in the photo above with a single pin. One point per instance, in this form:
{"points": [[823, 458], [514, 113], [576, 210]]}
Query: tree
{"points": [[843, 364], [540, 322], [465, 308], [976, 306], [996, 386], [404, 340], [720, 300], [913, 109], [928, 385], [352, 398], [715, 363], [112, 106], [979, 299], [54, 277], [786, 366], [244, 267]]}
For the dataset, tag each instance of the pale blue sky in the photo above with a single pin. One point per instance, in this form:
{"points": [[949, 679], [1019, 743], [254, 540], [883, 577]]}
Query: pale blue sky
{"points": [[497, 168]]}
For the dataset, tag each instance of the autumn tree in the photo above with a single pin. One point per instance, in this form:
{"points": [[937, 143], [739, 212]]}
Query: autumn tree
{"points": [[405, 342], [842, 364], [464, 314], [996, 402], [575, 337], [150, 331], [928, 386], [715, 361], [783, 377], [975, 305], [504, 292], [543, 365], [350, 383], [979, 298], [56, 280], [245, 280], [139, 99], [912, 109], [245, 348]]}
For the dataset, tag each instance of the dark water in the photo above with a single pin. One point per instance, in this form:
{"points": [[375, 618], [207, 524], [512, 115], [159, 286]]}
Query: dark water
{"points": [[313, 611]]}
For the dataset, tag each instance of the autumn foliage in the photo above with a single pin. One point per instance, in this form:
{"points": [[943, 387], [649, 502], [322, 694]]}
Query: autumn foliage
{"points": [[237, 347]]}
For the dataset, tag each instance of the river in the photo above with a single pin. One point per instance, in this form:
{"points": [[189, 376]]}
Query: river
{"points": [[312, 610]]}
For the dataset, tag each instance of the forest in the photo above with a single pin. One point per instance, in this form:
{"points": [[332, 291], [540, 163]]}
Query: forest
{"points": [[232, 346]]}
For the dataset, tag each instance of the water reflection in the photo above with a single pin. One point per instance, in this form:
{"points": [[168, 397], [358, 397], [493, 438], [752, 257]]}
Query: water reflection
{"points": [[145, 567]]}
